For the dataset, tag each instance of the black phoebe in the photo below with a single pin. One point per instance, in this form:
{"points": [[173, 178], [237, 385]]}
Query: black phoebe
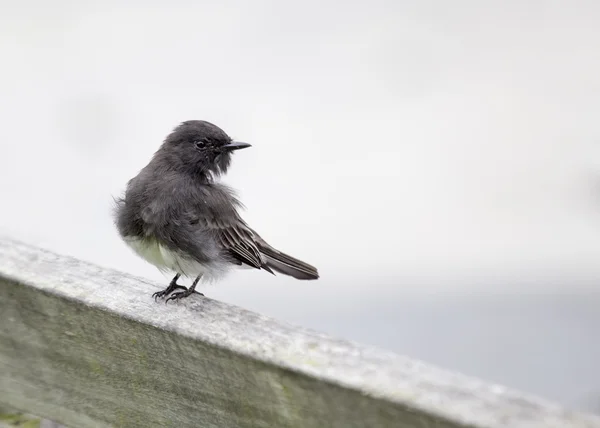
{"points": [[175, 216]]}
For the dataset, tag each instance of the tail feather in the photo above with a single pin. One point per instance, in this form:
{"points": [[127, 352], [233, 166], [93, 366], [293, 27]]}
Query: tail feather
{"points": [[287, 265]]}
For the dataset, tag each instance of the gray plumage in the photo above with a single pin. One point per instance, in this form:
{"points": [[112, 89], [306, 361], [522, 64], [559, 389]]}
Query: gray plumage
{"points": [[176, 216]]}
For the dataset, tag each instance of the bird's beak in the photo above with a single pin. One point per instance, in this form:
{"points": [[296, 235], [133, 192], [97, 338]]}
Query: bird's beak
{"points": [[236, 145]]}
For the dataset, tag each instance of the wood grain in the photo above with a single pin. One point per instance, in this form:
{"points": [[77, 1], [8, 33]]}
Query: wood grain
{"points": [[87, 347]]}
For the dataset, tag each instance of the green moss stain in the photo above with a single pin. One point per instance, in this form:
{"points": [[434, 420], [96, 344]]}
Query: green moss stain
{"points": [[96, 367], [313, 363], [18, 420]]}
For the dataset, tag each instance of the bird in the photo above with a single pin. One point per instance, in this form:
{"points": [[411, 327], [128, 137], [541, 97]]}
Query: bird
{"points": [[177, 215]]}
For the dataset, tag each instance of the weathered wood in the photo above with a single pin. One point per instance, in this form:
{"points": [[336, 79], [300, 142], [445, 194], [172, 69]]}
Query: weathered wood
{"points": [[88, 347]]}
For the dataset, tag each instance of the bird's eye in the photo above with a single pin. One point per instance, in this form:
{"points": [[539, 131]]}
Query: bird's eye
{"points": [[200, 144]]}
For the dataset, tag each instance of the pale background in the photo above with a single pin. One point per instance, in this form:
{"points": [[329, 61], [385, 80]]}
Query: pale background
{"points": [[438, 161]]}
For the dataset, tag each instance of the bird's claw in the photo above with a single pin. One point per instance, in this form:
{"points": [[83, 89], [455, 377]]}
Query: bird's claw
{"points": [[166, 291], [182, 294]]}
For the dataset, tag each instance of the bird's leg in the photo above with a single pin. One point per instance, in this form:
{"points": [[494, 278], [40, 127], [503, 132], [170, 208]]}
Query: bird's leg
{"points": [[181, 294], [172, 286]]}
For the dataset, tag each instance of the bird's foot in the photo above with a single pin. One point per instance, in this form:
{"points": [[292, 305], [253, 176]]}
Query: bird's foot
{"points": [[183, 294], [168, 290]]}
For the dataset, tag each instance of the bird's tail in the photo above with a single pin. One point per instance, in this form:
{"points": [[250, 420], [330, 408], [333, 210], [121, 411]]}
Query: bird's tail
{"points": [[285, 264]]}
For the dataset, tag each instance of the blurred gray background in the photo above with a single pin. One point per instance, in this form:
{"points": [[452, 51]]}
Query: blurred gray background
{"points": [[438, 161]]}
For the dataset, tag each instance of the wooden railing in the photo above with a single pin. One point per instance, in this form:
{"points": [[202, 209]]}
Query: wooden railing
{"points": [[87, 347]]}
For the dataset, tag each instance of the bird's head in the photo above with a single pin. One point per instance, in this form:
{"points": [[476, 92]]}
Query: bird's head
{"points": [[200, 146]]}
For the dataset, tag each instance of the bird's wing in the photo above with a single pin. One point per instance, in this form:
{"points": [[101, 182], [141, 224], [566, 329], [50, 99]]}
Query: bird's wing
{"points": [[237, 239], [219, 215]]}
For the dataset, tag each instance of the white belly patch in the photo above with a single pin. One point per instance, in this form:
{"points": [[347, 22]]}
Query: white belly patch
{"points": [[166, 260]]}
